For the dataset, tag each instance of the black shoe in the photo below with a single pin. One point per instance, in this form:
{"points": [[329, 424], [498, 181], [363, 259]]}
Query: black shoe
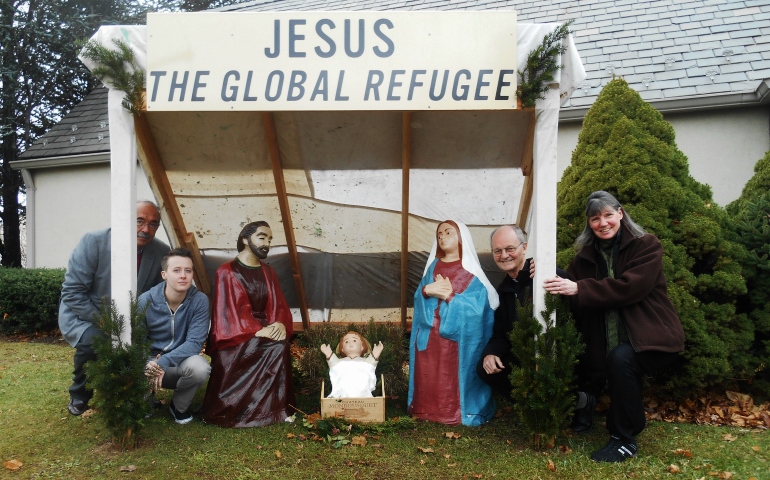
{"points": [[77, 407], [180, 417], [615, 451], [583, 419]]}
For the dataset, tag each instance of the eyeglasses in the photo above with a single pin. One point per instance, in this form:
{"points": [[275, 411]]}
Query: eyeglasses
{"points": [[152, 225], [509, 250]]}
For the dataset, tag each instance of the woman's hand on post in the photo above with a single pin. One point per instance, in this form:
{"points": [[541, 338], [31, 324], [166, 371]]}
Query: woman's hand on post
{"points": [[560, 286]]}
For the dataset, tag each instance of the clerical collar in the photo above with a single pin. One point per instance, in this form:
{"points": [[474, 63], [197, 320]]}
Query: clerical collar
{"points": [[247, 266]]}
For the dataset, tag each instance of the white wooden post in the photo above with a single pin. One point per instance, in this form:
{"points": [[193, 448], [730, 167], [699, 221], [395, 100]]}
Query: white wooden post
{"points": [[122, 206], [544, 169]]}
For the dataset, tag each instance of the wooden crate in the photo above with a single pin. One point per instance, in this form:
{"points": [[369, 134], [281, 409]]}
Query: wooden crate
{"points": [[367, 409]]}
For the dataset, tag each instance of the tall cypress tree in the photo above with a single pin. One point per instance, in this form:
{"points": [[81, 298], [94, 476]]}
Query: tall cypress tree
{"points": [[751, 212], [629, 150]]}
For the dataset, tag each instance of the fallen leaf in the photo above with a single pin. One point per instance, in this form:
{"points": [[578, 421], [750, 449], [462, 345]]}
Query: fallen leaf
{"points": [[12, 464], [756, 448], [129, 468], [477, 475], [565, 449], [446, 455], [425, 450], [259, 447], [302, 437], [729, 438], [452, 435], [88, 413], [673, 469], [451, 464], [431, 441], [551, 465], [726, 475], [744, 401], [290, 435], [278, 454], [358, 440], [377, 445], [682, 452]]}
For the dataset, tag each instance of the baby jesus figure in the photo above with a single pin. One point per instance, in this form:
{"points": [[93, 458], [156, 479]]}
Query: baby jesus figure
{"points": [[353, 374]]}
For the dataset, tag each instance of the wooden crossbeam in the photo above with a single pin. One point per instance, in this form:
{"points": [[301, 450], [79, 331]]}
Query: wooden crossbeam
{"points": [[150, 159], [406, 159], [268, 123], [527, 162]]}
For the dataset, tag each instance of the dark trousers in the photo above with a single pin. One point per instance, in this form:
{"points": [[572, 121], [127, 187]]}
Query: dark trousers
{"points": [[84, 352], [625, 372]]}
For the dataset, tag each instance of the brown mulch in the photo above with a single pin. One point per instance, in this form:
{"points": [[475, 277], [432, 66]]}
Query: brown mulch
{"points": [[715, 408]]}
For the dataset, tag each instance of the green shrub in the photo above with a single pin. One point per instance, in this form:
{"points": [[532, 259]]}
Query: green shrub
{"points": [[543, 382], [751, 213], [628, 149], [313, 367], [117, 375], [29, 299]]}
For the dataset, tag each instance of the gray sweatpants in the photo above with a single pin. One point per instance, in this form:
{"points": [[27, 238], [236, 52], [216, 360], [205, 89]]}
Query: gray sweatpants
{"points": [[185, 379]]}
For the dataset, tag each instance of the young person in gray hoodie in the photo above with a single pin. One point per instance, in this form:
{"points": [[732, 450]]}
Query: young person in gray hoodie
{"points": [[177, 318]]}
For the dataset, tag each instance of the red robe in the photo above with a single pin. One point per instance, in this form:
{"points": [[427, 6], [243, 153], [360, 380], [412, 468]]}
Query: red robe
{"points": [[250, 383]]}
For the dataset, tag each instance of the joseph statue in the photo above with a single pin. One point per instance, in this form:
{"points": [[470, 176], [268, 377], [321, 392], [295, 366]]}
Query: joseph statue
{"points": [[251, 324]]}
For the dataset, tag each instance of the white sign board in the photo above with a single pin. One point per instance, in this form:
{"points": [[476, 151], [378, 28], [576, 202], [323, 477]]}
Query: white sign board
{"points": [[264, 61]]}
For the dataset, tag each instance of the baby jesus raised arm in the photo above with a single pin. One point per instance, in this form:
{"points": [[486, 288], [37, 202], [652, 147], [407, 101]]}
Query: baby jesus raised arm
{"points": [[353, 374]]}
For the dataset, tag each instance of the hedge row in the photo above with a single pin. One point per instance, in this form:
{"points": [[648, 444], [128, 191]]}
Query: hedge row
{"points": [[29, 299]]}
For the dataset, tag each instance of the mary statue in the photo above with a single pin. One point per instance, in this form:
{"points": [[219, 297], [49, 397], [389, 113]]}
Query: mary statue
{"points": [[453, 317]]}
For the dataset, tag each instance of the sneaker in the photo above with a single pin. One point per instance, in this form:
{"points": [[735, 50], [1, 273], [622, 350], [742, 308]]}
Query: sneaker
{"points": [[615, 451], [77, 407], [583, 419], [180, 417]]}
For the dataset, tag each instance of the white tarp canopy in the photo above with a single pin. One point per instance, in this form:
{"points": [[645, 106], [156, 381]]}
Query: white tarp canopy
{"points": [[341, 180]]}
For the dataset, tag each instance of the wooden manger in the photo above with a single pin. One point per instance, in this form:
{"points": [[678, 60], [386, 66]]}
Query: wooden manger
{"points": [[362, 409]]}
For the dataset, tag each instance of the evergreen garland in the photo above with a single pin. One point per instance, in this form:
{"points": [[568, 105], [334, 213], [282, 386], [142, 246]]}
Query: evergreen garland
{"points": [[542, 64], [543, 382], [117, 375], [119, 69]]}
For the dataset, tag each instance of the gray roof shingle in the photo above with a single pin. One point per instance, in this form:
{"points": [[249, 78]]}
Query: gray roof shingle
{"points": [[84, 130], [668, 50]]}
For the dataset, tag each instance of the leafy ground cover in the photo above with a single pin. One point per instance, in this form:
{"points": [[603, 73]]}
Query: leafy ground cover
{"points": [[38, 439]]}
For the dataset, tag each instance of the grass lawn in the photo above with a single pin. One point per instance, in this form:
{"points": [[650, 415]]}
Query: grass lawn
{"points": [[36, 430]]}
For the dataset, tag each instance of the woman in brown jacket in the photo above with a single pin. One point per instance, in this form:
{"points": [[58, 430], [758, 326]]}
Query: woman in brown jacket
{"points": [[622, 309]]}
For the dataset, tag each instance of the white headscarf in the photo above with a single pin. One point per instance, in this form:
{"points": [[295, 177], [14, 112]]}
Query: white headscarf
{"points": [[470, 262]]}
